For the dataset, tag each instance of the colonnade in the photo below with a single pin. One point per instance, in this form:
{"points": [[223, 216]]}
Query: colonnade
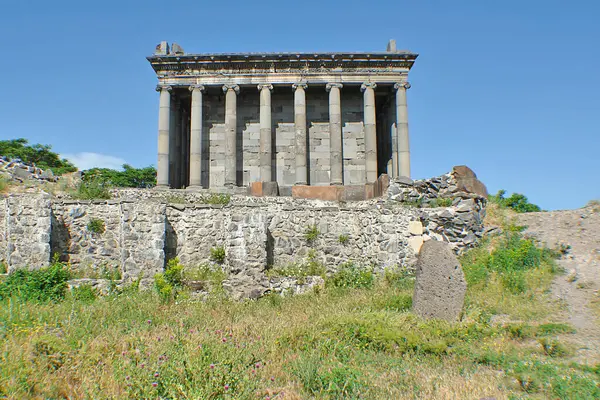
{"points": [[400, 156]]}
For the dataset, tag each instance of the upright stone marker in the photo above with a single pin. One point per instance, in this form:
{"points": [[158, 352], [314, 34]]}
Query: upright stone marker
{"points": [[440, 285]]}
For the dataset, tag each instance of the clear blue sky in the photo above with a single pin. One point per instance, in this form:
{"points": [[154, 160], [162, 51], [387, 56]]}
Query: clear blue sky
{"points": [[510, 88]]}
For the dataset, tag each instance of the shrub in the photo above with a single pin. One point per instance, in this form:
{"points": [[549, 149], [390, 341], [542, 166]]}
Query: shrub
{"points": [[516, 201], [40, 285], [343, 239], [96, 225], [350, 275], [217, 254], [91, 191], [312, 233], [168, 283], [129, 177]]}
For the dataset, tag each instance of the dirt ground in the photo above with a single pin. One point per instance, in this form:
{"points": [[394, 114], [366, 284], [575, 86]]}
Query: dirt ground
{"points": [[579, 287]]}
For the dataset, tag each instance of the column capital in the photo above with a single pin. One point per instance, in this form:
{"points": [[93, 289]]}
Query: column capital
{"points": [[301, 85], [262, 86], [233, 87], [404, 85], [333, 85], [163, 87], [194, 87], [370, 85]]}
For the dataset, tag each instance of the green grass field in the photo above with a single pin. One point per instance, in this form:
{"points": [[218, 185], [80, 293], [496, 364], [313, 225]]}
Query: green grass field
{"points": [[336, 343]]}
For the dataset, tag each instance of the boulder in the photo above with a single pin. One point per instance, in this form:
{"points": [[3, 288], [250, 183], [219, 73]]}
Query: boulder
{"points": [[440, 283], [467, 181]]}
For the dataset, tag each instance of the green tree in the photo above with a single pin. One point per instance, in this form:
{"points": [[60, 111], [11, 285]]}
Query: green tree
{"points": [[39, 155], [516, 201], [129, 177]]}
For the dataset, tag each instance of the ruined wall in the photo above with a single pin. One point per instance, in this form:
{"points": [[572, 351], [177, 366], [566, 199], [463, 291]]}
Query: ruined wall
{"points": [[3, 233]]}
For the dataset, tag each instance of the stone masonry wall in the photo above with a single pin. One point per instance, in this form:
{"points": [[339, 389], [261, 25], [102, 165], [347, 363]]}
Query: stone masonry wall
{"points": [[27, 231], [3, 231]]}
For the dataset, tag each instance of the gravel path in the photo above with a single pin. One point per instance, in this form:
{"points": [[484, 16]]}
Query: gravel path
{"points": [[579, 287]]}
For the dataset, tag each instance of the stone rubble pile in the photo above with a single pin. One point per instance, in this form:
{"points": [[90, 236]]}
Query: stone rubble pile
{"points": [[460, 222], [19, 171]]}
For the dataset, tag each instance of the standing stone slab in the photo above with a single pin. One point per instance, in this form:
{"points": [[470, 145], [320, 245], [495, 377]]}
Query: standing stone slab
{"points": [[440, 283]]}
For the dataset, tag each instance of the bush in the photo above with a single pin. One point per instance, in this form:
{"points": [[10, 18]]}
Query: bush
{"points": [[40, 285], [129, 177], [350, 275], [39, 155], [96, 225], [217, 254], [516, 201], [168, 283], [510, 259]]}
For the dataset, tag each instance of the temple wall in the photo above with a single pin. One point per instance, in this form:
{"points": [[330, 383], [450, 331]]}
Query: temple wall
{"points": [[283, 143]]}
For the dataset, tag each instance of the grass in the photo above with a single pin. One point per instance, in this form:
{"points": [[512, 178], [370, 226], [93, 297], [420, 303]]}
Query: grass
{"points": [[354, 340]]}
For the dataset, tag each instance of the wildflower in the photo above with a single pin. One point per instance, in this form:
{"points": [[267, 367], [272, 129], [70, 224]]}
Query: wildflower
{"points": [[154, 384], [226, 387], [149, 321], [127, 377], [272, 379], [212, 366], [257, 365], [224, 340], [142, 365], [124, 353], [156, 374]]}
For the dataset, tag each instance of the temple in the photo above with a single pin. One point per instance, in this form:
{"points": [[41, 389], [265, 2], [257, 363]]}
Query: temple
{"points": [[294, 119]]}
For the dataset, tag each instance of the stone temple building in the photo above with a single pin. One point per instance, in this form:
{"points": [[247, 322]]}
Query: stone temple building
{"points": [[282, 119]]}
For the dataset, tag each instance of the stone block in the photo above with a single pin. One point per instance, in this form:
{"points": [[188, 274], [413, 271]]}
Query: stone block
{"points": [[415, 243], [331, 193], [415, 228], [467, 181], [440, 284]]}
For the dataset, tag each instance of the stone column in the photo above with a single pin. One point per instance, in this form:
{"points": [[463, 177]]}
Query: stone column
{"points": [[231, 92], [335, 134], [402, 130], [300, 130], [368, 89], [265, 132], [196, 137], [164, 115]]}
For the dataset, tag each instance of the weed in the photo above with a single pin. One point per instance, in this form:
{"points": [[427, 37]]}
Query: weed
{"points": [[440, 202], [312, 233], [84, 293], [91, 190], [4, 183], [311, 266], [352, 276], [527, 383], [343, 239], [205, 272], [216, 199], [217, 254], [3, 267], [169, 282], [96, 225], [175, 199], [551, 347]]}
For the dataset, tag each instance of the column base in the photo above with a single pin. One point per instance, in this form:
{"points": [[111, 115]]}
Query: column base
{"points": [[162, 187], [194, 188], [259, 189]]}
